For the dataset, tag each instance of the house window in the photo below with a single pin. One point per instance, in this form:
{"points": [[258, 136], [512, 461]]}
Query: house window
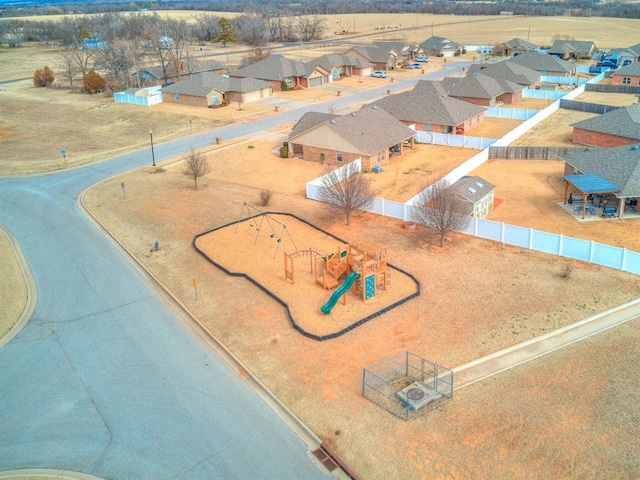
{"points": [[380, 157], [339, 156], [626, 80]]}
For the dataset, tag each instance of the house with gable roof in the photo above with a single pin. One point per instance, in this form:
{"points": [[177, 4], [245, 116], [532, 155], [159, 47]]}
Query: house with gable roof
{"points": [[545, 64], [158, 75], [507, 70], [209, 89], [428, 108], [630, 54], [369, 134], [613, 172], [407, 51], [482, 90], [629, 75], [341, 66], [382, 58], [279, 71], [620, 126], [514, 47], [441, 47], [572, 49]]}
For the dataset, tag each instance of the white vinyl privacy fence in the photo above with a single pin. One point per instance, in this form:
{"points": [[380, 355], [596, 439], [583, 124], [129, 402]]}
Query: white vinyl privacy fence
{"points": [[551, 243]]}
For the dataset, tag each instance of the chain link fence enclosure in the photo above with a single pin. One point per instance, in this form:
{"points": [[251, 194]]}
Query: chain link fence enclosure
{"points": [[407, 385]]}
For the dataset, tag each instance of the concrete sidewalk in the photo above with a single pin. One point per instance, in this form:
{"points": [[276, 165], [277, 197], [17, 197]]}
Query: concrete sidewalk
{"points": [[481, 368]]}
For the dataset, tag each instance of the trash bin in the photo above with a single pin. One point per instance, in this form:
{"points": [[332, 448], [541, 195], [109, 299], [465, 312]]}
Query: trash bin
{"points": [[218, 140]]}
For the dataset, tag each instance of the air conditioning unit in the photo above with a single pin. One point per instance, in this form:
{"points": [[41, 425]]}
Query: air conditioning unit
{"points": [[416, 395]]}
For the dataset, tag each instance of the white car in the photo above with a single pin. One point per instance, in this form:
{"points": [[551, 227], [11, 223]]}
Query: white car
{"points": [[379, 74], [422, 59]]}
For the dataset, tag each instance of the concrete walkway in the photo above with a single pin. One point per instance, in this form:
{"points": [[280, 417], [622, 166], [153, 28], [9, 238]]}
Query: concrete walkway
{"points": [[481, 368]]}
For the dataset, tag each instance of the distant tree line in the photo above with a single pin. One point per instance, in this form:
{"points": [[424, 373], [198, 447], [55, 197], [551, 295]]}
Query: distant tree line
{"points": [[580, 8]]}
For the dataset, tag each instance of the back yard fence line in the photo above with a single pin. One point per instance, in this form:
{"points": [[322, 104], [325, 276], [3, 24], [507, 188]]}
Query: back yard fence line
{"points": [[452, 140], [586, 106], [564, 80], [543, 94], [532, 153], [569, 247], [594, 87], [512, 113]]}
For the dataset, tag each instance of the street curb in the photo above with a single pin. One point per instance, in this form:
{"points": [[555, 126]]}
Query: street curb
{"points": [[310, 439], [47, 473], [32, 291]]}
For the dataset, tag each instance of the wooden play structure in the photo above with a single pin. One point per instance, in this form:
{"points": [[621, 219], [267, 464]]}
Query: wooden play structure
{"points": [[349, 266]]}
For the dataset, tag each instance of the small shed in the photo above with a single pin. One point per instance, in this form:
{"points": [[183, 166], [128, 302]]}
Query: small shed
{"points": [[476, 192], [140, 96]]}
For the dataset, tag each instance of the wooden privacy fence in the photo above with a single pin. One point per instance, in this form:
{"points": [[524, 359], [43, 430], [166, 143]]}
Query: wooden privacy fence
{"points": [[532, 153], [586, 106], [594, 87]]}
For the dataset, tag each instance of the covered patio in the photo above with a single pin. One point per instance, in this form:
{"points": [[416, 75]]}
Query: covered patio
{"points": [[594, 195]]}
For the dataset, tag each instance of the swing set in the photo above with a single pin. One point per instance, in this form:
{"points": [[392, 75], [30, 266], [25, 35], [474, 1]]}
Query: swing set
{"points": [[256, 218]]}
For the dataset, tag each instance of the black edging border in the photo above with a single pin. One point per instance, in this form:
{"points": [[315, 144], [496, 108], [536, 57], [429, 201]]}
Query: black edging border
{"points": [[320, 338]]}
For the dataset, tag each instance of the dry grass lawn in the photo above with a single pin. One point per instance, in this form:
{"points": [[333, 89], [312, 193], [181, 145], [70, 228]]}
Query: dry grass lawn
{"points": [[515, 295], [572, 414]]}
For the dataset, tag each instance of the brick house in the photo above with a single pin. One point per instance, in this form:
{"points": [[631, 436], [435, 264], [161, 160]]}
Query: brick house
{"points": [[341, 66], [628, 75], [514, 47], [381, 57], [612, 129], [572, 49], [370, 134], [427, 108], [441, 47], [210, 90], [279, 71], [618, 166]]}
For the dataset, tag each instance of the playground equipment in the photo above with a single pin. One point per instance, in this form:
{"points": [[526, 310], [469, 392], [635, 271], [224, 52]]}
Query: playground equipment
{"points": [[341, 291], [371, 269], [256, 220], [290, 266]]}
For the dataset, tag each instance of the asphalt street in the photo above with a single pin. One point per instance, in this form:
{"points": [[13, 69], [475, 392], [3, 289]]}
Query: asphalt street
{"points": [[107, 378]]}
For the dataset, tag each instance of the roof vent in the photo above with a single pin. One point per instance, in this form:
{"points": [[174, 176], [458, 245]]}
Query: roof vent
{"points": [[353, 114], [332, 121]]}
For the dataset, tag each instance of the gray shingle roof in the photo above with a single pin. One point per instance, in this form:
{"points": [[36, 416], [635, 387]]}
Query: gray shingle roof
{"points": [[440, 43], [400, 47], [618, 165], [518, 43], [622, 122], [203, 83], [579, 47], [631, 69], [508, 70], [333, 60], [477, 85], [273, 68], [196, 67], [370, 130], [428, 103], [310, 120], [542, 62], [472, 189], [373, 53]]}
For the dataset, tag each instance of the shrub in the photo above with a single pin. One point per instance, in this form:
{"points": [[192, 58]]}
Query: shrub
{"points": [[43, 77], [93, 82], [284, 152]]}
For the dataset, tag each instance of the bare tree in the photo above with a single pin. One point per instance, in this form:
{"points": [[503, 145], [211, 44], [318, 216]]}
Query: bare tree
{"points": [[442, 209], [310, 27], [196, 166], [346, 188], [206, 26], [251, 30], [68, 64]]}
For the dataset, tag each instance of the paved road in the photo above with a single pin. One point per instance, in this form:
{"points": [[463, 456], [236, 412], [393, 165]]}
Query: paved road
{"points": [[107, 378]]}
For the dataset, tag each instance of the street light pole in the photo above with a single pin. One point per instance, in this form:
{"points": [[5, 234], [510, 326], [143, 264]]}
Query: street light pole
{"points": [[153, 155]]}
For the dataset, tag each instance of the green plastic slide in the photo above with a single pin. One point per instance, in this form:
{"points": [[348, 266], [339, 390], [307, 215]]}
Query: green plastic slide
{"points": [[341, 290]]}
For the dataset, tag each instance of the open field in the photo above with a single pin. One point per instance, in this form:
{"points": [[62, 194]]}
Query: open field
{"points": [[515, 295]]}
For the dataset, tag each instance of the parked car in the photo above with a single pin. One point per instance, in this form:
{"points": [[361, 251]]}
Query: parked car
{"points": [[422, 59], [414, 66], [379, 74]]}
